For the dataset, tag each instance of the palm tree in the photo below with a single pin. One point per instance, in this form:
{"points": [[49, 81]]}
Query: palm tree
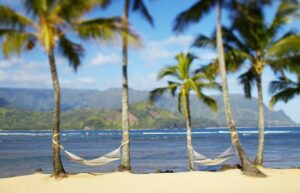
{"points": [[193, 15], [184, 81], [49, 24], [252, 43], [137, 5], [284, 90]]}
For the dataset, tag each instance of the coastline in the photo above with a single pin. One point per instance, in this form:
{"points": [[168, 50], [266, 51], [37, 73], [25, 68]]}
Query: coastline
{"points": [[278, 181]]}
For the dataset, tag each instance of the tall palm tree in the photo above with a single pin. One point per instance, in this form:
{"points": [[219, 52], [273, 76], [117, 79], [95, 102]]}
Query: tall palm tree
{"points": [[192, 15], [48, 23], [185, 81], [136, 5], [252, 43], [284, 89]]}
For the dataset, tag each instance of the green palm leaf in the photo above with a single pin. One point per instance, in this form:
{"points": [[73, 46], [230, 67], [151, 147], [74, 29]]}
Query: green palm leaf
{"points": [[104, 29], [186, 81], [284, 46], [193, 14], [168, 71], [282, 16], [12, 19], [210, 102], [247, 80], [15, 42], [284, 95], [156, 93], [71, 50], [139, 5]]}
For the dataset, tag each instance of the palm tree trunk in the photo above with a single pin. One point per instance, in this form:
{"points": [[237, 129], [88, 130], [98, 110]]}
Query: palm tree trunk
{"points": [[260, 148], [58, 169], [125, 163], [247, 167], [186, 106]]}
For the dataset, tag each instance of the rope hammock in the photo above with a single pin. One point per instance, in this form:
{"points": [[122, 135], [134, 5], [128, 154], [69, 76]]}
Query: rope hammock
{"points": [[103, 160], [201, 159]]}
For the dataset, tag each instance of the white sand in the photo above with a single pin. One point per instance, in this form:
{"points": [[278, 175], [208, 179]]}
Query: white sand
{"points": [[278, 181]]}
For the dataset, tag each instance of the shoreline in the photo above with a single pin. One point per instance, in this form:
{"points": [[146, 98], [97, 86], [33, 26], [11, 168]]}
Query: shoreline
{"points": [[278, 181], [141, 129]]}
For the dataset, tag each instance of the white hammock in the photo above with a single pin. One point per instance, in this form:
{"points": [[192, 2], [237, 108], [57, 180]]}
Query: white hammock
{"points": [[105, 159], [201, 159]]}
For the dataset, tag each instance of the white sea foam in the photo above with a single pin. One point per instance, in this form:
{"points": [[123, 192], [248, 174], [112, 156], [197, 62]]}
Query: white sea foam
{"points": [[255, 132], [26, 134], [176, 133]]}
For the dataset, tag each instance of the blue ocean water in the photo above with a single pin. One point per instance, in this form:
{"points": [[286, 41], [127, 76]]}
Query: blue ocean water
{"points": [[22, 152]]}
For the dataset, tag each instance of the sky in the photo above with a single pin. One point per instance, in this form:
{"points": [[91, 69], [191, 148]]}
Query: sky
{"points": [[101, 65]]}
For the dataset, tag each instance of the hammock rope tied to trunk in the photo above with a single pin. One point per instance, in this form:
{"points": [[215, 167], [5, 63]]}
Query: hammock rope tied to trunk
{"points": [[201, 159], [103, 160]]}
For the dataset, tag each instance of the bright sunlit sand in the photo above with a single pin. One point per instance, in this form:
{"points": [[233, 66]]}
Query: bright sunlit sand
{"points": [[278, 181]]}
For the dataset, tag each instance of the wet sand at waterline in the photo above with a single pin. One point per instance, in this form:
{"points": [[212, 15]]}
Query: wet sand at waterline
{"points": [[278, 181]]}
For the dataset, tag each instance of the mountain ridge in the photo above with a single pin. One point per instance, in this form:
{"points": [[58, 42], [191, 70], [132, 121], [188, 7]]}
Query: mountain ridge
{"points": [[244, 110]]}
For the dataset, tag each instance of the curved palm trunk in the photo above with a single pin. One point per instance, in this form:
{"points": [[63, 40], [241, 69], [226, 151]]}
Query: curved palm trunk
{"points": [[247, 166], [125, 163], [58, 169], [260, 148], [186, 106]]}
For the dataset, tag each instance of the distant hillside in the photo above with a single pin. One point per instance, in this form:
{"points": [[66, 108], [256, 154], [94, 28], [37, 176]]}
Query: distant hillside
{"points": [[75, 102], [141, 116]]}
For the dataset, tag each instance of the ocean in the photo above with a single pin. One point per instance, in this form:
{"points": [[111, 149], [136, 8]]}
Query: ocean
{"points": [[22, 152]]}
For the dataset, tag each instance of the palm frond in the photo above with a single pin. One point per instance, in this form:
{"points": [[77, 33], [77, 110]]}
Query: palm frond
{"points": [[284, 95], [199, 76], [11, 19], [203, 41], [193, 14], [289, 62], [39, 7], [210, 70], [283, 16], [156, 93], [104, 29], [284, 46], [101, 28], [209, 85], [15, 42], [184, 62], [210, 102], [192, 84], [179, 102], [173, 87], [139, 5], [281, 84], [230, 39], [72, 10], [247, 79], [235, 59], [249, 23], [168, 71], [72, 51]]}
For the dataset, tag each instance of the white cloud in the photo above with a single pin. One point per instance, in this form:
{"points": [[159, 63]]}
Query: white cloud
{"points": [[207, 55], [79, 83], [103, 59], [145, 82], [180, 40], [155, 51], [20, 73], [4, 64]]}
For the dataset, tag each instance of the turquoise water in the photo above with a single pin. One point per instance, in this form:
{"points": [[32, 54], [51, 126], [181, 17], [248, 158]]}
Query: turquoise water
{"points": [[22, 152]]}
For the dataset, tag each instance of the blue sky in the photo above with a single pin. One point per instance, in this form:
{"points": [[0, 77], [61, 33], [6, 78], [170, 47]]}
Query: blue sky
{"points": [[101, 67]]}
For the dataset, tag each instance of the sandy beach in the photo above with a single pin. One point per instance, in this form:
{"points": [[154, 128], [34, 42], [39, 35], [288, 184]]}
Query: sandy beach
{"points": [[278, 181]]}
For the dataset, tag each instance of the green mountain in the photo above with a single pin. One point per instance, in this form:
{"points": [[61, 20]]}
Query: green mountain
{"points": [[141, 116], [30, 109]]}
